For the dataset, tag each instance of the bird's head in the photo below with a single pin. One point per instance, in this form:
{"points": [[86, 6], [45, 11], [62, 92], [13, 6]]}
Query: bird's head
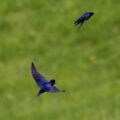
{"points": [[91, 13], [52, 82]]}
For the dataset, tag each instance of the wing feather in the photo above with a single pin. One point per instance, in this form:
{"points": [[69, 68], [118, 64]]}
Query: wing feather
{"points": [[54, 89], [40, 80]]}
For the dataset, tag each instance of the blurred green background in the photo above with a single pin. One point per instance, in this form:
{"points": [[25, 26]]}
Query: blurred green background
{"points": [[84, 61]]}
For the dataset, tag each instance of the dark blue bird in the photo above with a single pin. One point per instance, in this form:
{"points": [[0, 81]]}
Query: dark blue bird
{"points": [[45, 86], [83, 18]]}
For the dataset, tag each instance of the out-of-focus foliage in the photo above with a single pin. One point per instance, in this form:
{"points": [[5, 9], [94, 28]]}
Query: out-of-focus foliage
{"points": [[85, 61]]}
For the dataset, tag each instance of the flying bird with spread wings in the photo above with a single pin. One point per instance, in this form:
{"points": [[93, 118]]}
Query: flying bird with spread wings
{"points": [[45, 86], [83, 18]]}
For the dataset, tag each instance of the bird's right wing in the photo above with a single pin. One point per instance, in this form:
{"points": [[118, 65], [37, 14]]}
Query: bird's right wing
{"points": [[40, 80], [54, 89]]}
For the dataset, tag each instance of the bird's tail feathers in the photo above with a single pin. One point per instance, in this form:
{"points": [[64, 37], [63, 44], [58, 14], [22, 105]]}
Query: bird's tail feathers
{"points": [[40, 92]]}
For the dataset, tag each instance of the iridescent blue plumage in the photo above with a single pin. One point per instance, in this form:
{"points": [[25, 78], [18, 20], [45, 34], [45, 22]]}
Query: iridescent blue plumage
{"points": [[83, 18], [45, 86], [40, 80]]}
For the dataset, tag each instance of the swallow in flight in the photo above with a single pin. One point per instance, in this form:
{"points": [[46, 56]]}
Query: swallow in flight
{"points": [[45, 86], [83, 18]]}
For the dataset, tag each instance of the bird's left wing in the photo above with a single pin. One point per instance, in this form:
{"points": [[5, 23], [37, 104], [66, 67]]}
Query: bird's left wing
{"points": [[40, 80]]}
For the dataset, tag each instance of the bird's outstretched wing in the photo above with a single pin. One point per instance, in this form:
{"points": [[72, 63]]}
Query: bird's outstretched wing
{"points": [[54, 89], [80, 20], [40, 80]]}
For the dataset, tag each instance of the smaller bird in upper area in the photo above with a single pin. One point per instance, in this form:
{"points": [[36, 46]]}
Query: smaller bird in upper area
{"points": [[45, 86], [83, 18]]}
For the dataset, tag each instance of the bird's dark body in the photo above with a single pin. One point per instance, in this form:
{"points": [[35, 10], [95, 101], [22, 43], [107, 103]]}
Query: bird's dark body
{"points": [[83, 18], [45, 86]]}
